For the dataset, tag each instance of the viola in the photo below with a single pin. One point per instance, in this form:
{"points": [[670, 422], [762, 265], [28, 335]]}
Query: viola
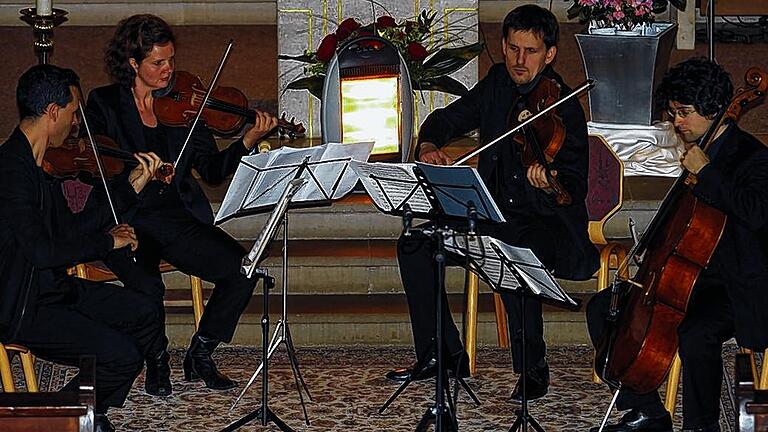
{"points": [[640, 340], [75, 157], [226, 109], [541, 140]]}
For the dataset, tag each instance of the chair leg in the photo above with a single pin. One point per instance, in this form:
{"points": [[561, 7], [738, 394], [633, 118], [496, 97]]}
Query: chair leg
{"points": [[764, 372], [501, 321], [673, 380], [197, 298], [471, 326], [30, 376], [611, 257], [5, 371]]}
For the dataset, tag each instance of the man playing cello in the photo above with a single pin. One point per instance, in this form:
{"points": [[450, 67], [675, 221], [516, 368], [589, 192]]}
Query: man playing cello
{"points": [[728, 298]]}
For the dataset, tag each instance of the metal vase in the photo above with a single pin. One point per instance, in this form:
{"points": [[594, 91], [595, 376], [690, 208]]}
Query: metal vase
{"points": [[627, 70]]}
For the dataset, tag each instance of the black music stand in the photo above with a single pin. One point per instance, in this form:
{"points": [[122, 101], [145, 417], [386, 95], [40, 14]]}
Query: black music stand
{"points": [[439, 194], [512, 269], [273, 181]]}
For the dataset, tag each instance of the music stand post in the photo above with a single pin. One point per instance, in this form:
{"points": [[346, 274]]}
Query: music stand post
{"points": [[263, 413], [438, 194]]}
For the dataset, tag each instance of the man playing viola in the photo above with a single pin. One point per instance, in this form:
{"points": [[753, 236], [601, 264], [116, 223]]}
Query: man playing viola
{"points": [[173, 222], [728, 298], [58, 317], [556, 234]]}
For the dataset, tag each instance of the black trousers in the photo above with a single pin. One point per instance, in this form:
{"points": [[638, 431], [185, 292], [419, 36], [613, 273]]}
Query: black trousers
{"points": [[708, 323], [196, 249], [115, 325], [415, 255]]}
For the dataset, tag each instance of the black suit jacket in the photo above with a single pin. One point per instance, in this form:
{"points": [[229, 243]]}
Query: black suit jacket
{"points": [[486, 107], [111, 111], [32, 244], [736, 182]]}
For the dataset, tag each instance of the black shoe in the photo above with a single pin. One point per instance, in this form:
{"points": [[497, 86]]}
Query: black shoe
{"points": [[157, 380], [199, 364], [536, 384], [636, 420], [102, 424], [429, 370]]}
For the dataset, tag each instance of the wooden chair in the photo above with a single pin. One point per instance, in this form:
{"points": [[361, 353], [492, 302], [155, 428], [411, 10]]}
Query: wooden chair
{"points": [[605, 196], [605, 185], [61, 411], [97, 271], [27, 366]]}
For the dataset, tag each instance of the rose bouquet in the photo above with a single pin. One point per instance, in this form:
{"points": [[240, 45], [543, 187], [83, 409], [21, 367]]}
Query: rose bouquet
{"points": [[620, 14]]}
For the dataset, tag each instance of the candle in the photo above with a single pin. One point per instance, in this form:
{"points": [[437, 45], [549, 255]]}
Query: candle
{"points": [[44, 7]]}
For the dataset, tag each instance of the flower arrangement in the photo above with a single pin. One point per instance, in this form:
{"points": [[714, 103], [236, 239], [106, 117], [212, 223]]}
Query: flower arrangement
{"points": [[429, 66], [620, 14]]}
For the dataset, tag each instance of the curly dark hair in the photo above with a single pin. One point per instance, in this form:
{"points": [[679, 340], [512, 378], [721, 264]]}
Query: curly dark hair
{"points": [[133, 39], [699, 82], [535, 19], [42, 85]]}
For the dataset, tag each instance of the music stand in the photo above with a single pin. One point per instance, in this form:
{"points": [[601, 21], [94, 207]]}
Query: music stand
{"points": [[512, 269], [439, 194], [264, 413], [258, 186]]}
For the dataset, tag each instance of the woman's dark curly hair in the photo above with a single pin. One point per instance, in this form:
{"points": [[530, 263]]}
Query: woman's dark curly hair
{"points": [[133, 39], [699, 82]]}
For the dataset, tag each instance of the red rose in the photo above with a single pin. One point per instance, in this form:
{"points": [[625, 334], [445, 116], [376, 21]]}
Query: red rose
{"points": [[416, 51], [327, 48], [346, 28], [385, 21]]}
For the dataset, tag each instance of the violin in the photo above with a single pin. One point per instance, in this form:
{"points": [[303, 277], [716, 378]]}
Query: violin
{"points": [[541, 140], [227, 108], [75, 157]]}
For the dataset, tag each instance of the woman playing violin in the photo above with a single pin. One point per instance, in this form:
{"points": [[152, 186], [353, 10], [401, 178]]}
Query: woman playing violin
{"points": [[173, 222], [728, 298], [556, 233]]}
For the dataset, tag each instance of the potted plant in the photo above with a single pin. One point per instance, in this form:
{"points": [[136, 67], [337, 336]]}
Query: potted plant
{"points": [[627, 53]]}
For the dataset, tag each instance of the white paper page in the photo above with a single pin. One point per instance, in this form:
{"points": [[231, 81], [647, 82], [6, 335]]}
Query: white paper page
{"points": [[390, 184]]}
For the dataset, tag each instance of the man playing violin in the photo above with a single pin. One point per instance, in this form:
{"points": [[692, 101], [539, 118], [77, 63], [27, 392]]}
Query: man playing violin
{"points": [[557, 234], [173, 222], [728, 298], [58, 317]]}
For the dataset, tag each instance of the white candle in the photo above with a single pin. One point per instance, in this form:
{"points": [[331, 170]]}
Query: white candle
{"points": [[44, 7]]}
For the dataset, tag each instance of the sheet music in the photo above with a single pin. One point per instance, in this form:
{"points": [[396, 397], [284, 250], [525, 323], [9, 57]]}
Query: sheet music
{"points": [[484, 259], [390, 185], [497, 261], [260, 179]]}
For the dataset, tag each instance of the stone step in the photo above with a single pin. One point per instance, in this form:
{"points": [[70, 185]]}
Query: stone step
{"points": [[377, 319]]}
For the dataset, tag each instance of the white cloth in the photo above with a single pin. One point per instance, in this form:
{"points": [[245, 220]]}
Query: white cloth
{"points": [[645, 150]]}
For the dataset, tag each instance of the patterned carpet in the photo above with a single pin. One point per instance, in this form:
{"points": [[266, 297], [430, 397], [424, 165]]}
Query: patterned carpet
{"points": [[348, 387]]}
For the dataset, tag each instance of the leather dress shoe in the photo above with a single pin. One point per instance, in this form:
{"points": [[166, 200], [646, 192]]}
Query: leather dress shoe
{"points": [[157, 380], [636, 420], [536, 384], [102, 424], [429, 370], [199, 364]]}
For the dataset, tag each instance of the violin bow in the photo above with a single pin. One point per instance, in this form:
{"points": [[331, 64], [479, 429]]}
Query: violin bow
{"points": [[199, 113], [95, 149], [586, 85]]}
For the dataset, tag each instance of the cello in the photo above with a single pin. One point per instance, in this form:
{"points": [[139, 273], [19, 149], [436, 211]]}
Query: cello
{"points": [[640, 341]]}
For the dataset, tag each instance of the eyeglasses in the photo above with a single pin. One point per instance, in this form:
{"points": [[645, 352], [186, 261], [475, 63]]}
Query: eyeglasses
{"points": [[680, 112]]}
